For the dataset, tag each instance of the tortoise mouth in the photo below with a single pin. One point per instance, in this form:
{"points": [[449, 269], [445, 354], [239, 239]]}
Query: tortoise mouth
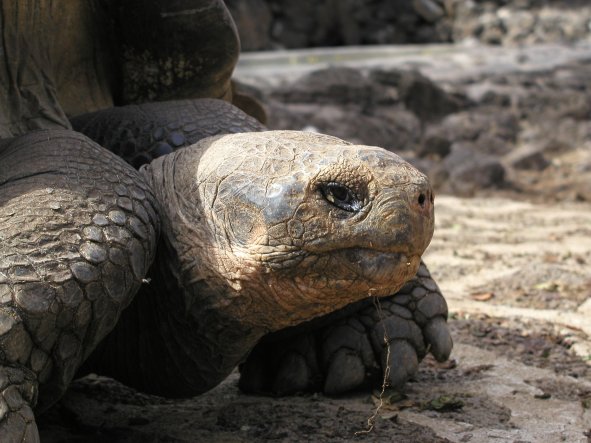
{"points": [[382, 268]]}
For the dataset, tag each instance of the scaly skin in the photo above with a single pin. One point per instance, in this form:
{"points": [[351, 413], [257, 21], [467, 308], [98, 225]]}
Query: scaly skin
{"points": [[139, 134], [244, 254], [268, 228], [78, 231]]}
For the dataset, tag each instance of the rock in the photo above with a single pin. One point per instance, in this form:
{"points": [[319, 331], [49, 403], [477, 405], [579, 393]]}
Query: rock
{"points": [[282, 116], [427, 100], [528, 157], [436, 145], [331, 85], [554, 146], [295, 23], [348, 23], [428, 9], [519, 24], [401, 110], [437, 174], [471, 125], [470, 171], [440, 32], [488, 131], [556, 137], [420, 94], [425, 165], [398, 130], [391, 127], [493, 144], [492, 94]]}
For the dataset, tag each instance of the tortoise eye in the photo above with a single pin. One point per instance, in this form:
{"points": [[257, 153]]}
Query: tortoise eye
{"points": [[340, 196]]}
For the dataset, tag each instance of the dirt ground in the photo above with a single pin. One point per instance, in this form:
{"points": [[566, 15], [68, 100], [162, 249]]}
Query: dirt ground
{"points": [[516, 271]]}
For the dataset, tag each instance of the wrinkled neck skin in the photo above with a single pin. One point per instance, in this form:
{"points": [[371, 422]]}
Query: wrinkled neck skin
{"points": [[197, 261], [180, 331]]}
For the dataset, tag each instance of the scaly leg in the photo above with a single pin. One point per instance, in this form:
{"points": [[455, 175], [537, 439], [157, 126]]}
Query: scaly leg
{"points": [[78, 231]]}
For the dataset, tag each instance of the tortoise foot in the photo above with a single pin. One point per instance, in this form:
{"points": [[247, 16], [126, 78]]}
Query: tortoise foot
{"points": [[354, 348]]}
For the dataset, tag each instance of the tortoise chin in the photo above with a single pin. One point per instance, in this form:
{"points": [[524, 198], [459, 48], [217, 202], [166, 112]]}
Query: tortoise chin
{"points": [[383, 270]]}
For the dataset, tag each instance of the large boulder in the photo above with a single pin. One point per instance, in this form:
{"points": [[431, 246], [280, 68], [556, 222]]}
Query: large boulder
{"points": [[492, 130]]}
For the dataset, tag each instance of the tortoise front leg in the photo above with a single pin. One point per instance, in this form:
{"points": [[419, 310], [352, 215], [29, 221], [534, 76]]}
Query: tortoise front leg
{"points": [[78, 231], [352, 348]]}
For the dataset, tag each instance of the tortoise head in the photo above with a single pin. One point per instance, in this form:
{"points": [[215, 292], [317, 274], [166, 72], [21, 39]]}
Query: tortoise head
{"points": [[277, 227]]}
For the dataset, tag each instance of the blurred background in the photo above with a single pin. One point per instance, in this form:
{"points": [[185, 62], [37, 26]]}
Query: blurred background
{"points": [[482, 95]]}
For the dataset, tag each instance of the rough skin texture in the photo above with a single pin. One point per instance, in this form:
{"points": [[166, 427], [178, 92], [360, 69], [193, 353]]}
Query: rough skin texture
{"points": [[141, 133], [262, 231], [270, 227], [166, 123], [78, 230]]}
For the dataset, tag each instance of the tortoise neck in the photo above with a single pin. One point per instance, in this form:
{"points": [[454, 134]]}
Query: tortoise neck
{"points": [[166, 346]]}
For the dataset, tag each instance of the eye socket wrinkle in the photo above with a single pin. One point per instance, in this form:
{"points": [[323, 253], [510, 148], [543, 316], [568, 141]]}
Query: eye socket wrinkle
{"points": [[340, 196]]}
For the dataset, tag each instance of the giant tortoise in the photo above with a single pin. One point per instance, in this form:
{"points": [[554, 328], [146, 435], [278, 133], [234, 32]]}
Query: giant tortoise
{"points": [[292, 254]]}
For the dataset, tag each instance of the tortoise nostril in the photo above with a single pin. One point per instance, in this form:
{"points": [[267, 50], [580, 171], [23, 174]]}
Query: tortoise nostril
{"points": [[422, 199]]}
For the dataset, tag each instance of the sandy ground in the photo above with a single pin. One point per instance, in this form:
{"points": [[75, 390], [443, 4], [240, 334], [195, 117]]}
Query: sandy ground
{"points": [[517, 277]]}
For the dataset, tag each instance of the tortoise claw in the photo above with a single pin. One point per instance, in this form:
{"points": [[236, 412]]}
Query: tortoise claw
{"points": [[400, 363], [345, 373], [292, 376], [438, 337]]}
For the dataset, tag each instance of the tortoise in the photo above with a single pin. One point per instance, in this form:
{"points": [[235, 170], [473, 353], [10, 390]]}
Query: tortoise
{"points": [[294, 255]]}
